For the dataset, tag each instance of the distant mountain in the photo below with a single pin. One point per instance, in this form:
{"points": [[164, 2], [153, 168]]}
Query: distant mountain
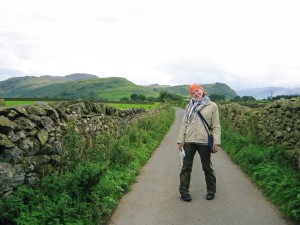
{"points": [[71, 77], [87, 86], [216, 88], [14, 87], [264, 93]]}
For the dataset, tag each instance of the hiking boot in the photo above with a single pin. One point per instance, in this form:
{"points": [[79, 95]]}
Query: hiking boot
{"points": [[186, 197], [210, 195]]}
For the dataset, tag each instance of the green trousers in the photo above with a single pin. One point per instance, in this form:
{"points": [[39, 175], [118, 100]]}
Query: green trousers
{"points": [[186, 170]]}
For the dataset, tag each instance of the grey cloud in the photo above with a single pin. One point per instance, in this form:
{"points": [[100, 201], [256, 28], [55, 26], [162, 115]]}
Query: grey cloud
{"points": [[8, 73], [187, 73]]}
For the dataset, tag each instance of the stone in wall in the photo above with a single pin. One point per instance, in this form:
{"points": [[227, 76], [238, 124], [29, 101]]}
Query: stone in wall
{"points": [[10, 176], [6, 125], [2, 102]]}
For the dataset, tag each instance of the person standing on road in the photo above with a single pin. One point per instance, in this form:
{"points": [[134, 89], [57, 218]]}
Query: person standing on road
{"points": [[193, 137]]}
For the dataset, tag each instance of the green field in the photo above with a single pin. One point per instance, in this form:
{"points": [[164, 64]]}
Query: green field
{"points": [[135, 105], [117, 105], [12, 103]]}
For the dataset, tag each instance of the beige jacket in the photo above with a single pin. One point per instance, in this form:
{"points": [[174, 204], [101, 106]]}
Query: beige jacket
{"points": [[192, 129]]}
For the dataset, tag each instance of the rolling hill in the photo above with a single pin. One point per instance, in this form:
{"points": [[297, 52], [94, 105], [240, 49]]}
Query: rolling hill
{"points": [[216, 89], [16, 86], [87, 86]]}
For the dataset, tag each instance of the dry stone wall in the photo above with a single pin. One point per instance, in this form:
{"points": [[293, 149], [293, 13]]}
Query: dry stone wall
{"points": [[277, 123], [30, 135]]}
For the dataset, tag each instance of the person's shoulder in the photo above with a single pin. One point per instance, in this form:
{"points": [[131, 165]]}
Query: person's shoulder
{"points": [[212, 104], [188, 105]]}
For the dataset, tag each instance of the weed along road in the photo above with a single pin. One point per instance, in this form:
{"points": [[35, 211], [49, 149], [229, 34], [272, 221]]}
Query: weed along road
{"points": [[154, 198]]}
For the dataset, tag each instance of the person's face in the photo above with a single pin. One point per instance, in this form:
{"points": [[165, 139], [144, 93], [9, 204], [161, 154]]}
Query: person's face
{"points": [[197, 94]]}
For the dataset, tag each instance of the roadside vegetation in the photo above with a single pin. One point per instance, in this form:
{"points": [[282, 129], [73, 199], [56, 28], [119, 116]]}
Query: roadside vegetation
{"points": [[93, 180], [268, 167]]}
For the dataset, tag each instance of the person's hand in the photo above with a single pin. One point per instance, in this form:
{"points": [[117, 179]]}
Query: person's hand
{"points": [[180, 146], [216, 148]]}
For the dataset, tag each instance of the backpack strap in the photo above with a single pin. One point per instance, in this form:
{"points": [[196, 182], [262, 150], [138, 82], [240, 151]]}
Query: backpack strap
{"points": [[204, 122]]}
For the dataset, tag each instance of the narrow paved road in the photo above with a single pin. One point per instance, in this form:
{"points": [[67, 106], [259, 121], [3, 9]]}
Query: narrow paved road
{"points": [[154, 198]]}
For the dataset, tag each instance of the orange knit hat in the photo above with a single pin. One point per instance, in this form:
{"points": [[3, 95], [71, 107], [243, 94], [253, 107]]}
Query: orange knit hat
{"points": [[193, 87]]}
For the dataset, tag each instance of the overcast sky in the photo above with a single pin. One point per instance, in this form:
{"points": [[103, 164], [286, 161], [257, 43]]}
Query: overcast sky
{"points": [[243, 43]]}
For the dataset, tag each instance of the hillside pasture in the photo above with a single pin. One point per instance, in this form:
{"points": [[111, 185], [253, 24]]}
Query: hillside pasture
{"points": [[22, 102], [118, 105]]}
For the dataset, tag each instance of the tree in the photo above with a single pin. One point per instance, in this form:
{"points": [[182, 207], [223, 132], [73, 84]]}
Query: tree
{"points": [[236, 99], [124, 99], [166, 96], [217, 97], [133, 97], [163, 95], [248, 98], [283, 96], [150, 99], [141, 97]]}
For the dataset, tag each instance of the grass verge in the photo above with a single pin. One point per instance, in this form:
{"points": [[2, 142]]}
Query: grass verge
{"points": [[268, 167]]}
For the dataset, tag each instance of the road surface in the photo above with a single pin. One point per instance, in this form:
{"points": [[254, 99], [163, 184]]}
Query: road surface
{"points": [[154, 198]]}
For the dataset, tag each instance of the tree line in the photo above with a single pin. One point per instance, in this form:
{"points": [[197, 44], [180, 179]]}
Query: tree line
{"points": [[163, 96]]}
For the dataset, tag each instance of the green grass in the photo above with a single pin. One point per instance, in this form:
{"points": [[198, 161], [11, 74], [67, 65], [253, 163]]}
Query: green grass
{"points": [[268, 167], [12, 103], [94, 178], [26, 101], [154, 105]]}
